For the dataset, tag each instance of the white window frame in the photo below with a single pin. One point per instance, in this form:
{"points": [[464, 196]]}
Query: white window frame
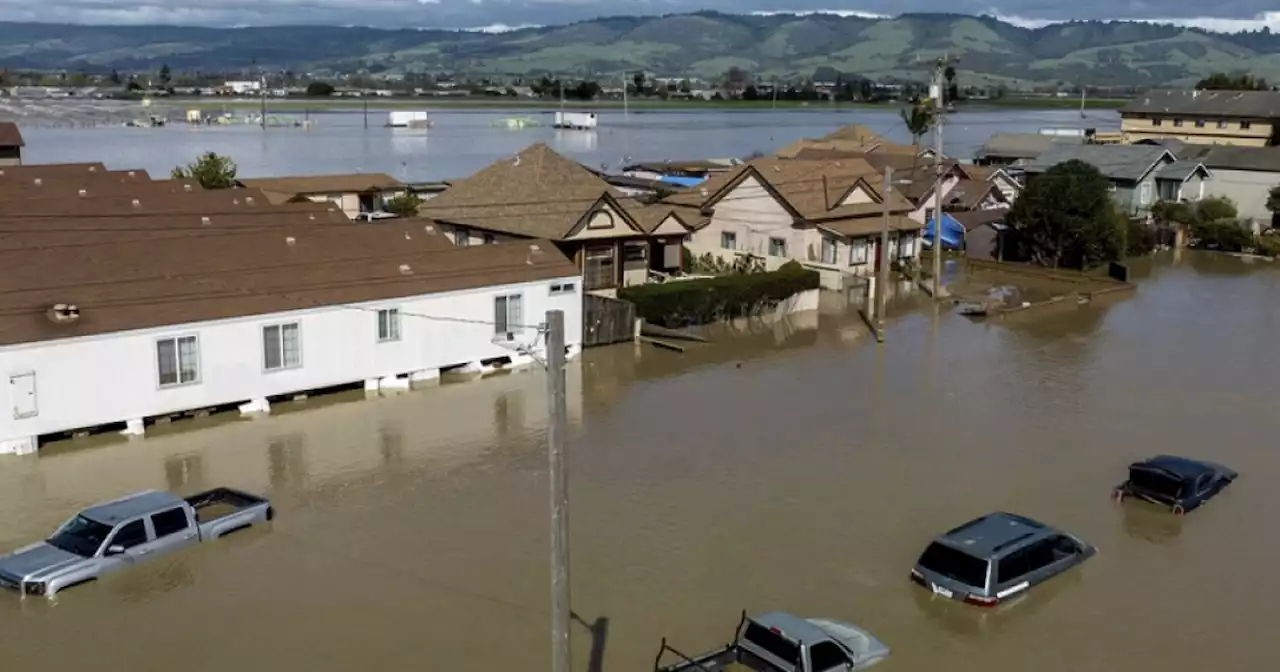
{"points": [[858, 251], [280, 327], [729, 240], [783, 245], [177, 360], [1144, 193], [829, 244], [389, 325], [510, 323], [563, 288]]}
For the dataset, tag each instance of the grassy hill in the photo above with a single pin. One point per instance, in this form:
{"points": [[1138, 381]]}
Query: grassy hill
{"points": [[703, 43]]}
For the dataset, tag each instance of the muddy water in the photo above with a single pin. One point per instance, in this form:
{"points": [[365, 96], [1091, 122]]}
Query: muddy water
{"points": [[795, 466]]}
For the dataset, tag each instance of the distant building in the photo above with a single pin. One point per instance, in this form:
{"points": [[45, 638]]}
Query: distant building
{"points": [[356, 193], [1246, 118], [242, 87], [10, 144], [1140, 175]]}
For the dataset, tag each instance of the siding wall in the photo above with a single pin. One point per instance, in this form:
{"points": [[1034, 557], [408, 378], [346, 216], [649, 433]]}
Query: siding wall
{"points": [[93, 380], [1136, 128], [1247, 189]]}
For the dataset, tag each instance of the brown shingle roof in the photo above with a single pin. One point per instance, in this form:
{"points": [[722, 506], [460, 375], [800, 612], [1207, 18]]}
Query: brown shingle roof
{"points": [[866, 226], [152, 283], [968, 194], [537, 193], [325, 184], [856, 133], [9, 135], [650, 217], [60, 188], [1246, 104], [204, 202], [30, 170], [972, 219], [27, 233]]}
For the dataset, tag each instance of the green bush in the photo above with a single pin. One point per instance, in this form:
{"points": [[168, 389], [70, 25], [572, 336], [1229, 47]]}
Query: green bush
{"points": [[1227, 236], [686, 302], [1269, 245], [1140, 238]]}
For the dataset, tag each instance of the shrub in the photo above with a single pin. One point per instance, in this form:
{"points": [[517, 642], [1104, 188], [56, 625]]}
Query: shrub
{"points": [[1221, 235], [678, 304], [1269, 245], [1140, 238]]}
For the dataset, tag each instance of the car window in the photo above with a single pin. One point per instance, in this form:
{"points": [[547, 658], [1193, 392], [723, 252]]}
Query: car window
{"points": [[1037, 556], [1156, 483], [132, 534], [767, 640], [169, 522], [1203, 483], [825, 656], [955, 564]]}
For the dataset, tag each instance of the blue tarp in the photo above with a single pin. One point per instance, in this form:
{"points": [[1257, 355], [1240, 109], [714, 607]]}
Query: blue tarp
{"points": [[682, 181], [952, 232]]}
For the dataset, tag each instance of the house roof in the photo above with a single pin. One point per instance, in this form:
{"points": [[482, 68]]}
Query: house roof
{"points": [[866, 226], [1019, 145], [693, 166], [650, 217], [87, 231], [856, 133], [1118, 162], [32, 170], [538, 193], [1248, 104], [972, 219], [202, 202], [1262, 159], [794, 149], [159, 282], [1180, 170], [9, 135], [968, 194], [325, 184]]}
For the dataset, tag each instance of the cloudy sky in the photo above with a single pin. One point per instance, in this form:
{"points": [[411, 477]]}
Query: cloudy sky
{"points": [[499, 14]]}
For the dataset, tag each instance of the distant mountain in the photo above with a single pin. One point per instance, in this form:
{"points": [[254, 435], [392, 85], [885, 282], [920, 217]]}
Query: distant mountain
{"points": [[702, 43]]}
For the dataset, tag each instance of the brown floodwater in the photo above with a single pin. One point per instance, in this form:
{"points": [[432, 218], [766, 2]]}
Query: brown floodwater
{"points": [[793, 465]]}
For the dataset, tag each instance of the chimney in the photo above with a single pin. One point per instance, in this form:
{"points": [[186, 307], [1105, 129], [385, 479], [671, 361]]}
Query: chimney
{"points": [[63, 313]]}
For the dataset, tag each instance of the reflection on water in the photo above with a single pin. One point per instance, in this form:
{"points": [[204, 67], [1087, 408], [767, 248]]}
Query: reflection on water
{"points": [[791, 464]]}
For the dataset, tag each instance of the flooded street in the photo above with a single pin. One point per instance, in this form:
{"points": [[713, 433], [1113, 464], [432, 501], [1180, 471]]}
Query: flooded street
{"points": [[798, 467]]}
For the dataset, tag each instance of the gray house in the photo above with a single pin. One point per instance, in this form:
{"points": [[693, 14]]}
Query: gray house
{"points": [[1140, 175], [1016, 149], [1246, 175]]}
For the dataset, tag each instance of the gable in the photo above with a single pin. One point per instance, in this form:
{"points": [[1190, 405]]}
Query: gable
{"points": [[603, 220], [857, 194], [754, 195], [670, 226]]}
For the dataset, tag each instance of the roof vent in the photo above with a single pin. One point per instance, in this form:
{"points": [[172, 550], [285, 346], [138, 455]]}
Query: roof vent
{"points": [[703, 191], [132, 174], [39, 181], [311, 217], [429, 229], [137, 203], [93, 169], [84, 192], [407, 236], [405, 270], [186, 187], [290, 240], [63, 313], [248, 200], [535, 248], [235, 201], [206, 221]]}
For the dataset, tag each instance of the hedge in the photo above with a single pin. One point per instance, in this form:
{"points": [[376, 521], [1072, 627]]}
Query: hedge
{"points": [[685, 302]]}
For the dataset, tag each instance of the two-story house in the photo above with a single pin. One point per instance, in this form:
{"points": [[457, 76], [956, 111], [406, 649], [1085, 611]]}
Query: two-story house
{"points": [[1139, 175], [1244, 118]]}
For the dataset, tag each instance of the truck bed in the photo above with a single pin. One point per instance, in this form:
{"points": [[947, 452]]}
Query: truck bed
{"points": [[731, 658], [225, 510]]}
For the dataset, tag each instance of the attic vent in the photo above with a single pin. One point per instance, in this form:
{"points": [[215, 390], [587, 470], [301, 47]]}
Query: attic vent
{"points": [[206, 220], [84, 192], [290, 240], [405, 270], [63, 313], [137, 203]]}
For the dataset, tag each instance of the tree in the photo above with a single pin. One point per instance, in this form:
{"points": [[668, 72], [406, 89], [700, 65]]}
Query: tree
{"points": [[1065, 218], [133, 85], [638, 80], [586, 90], [115, 77], [953, 91], [918, 119], [685, 86], [165, 74], [210, 171], [736, 79], [404, 205], [1224, 82], [319, 89]]}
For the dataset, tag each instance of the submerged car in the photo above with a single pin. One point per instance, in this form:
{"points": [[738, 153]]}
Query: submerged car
{"points": [[1180, 483], [996, 557]]}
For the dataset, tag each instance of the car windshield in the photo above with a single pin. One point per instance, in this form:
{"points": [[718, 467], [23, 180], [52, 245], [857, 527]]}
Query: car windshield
{"points": [[80, 536], [1156, 483], [954, 564]]}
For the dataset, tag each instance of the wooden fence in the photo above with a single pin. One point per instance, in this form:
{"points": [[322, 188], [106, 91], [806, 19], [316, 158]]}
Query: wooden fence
{"points": [[606, 321]]}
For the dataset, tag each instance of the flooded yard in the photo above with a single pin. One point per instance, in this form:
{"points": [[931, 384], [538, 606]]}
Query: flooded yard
{"points": [[795, 466]]}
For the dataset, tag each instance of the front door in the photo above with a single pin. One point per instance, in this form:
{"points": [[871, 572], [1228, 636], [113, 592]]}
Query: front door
{"points": [[22, 390]]}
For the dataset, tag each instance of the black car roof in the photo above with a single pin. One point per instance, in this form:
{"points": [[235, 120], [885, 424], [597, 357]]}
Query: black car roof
{"points": [[995, 534], [1177, 467]]}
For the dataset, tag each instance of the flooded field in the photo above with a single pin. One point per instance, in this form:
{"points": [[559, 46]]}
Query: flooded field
{"points": [[792, 466]]}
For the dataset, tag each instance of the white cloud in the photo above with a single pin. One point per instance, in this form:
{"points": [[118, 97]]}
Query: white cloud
{"points": [[1264, 20], [832, 12]]}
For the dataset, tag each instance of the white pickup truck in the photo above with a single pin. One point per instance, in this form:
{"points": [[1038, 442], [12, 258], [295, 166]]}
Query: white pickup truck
{"points": [[120, 533], [781, 642]]}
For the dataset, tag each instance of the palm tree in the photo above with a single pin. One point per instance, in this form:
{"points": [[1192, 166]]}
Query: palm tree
{"points": [[918, 119]]}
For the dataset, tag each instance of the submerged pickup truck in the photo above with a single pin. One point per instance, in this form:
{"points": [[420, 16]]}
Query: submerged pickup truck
{"points": [[781, 642], [123, 532]]}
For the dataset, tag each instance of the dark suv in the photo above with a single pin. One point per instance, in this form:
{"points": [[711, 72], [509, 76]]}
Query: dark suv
{"points": [[996, 557]]}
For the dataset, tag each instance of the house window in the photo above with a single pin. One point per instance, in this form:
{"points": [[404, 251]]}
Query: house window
{"points": [[562, 288], [599, 269], [508, 314], [488, 239], [1177, 122], [178, 361], [1244, 125], [1199, 123], [389, 324], [728, 240], [906, 245], [1222, 124], [828, 251], [1157, 122], [1168, 190], [858, 252], [777, 247], [1144, 194], [281, 347], [461, 238]]}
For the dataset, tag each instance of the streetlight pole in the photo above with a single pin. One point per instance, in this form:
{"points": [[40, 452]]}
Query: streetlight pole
{"points": [[940, 113], [557, 428], [882, 283]]}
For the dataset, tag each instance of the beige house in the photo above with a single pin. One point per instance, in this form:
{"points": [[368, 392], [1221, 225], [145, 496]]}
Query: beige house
{"points": [[10, 144], [1242, 118], [615, 240], [355, 194], [826, 215]]}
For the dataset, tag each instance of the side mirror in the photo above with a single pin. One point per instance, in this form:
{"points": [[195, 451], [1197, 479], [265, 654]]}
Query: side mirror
{"points": [[115, 549]]}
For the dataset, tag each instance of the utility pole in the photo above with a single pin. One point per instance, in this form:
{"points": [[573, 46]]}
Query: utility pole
{"points": [[775, 93], [625, 113], [940, 112], [262, 95], [365, 99], [882, 283], [557, 428]]}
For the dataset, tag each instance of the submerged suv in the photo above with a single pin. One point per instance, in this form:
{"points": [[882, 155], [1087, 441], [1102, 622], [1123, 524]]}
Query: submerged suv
{"points": [[996, 557]]}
